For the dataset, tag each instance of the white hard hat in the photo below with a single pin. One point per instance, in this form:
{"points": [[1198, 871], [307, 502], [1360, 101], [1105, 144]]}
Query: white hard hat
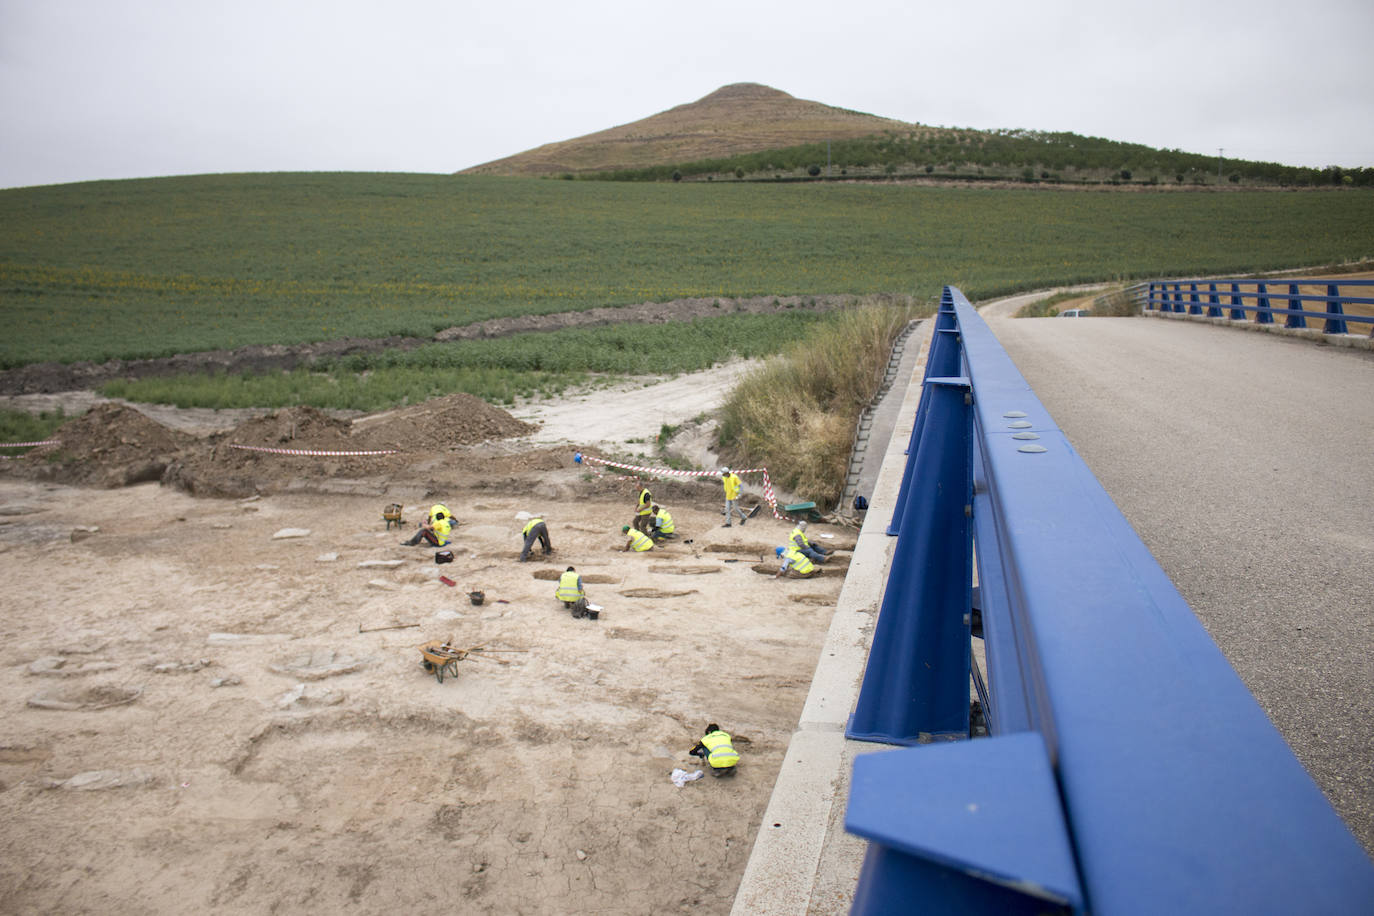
{"points": [[725, 470]]}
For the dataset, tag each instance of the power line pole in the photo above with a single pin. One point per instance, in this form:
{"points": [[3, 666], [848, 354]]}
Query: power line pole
{"points": [[827, 157], [1220, 150]]}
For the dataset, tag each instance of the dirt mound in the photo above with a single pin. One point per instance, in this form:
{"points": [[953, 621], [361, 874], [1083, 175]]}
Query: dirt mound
{"points": [[415, 435], [110, 445], [296, 428], [453, 420]]}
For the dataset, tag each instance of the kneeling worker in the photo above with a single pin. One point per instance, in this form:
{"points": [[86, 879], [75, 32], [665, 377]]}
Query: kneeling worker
{"points": [[535, 530], [573, 595], [795, 563], [436, 530], [663, 524], [636, 539], [715, 748]]}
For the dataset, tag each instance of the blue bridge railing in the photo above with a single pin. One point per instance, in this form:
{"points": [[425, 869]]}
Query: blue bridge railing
{"points": [[1325, 302], [1127, 767]]}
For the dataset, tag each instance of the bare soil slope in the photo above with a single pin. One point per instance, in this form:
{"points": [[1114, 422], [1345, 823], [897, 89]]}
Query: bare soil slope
{"points": [[739, 118]]}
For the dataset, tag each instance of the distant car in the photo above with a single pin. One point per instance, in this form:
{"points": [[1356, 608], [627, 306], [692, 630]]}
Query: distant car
{"points": [[1075, 313]]}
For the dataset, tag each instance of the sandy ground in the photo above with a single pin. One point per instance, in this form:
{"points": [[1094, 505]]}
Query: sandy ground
{"points": [[195, 721]]}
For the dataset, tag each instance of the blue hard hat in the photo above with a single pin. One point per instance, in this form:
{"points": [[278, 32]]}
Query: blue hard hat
{"points": [[777, 551]]}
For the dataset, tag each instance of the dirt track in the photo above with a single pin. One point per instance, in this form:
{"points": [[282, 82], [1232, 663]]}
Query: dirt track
{"points": [[195, 721]]}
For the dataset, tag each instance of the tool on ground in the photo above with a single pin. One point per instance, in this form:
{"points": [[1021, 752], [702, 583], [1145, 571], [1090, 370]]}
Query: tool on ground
{"points": [[392, 515], [399, 626], [447, 581]]}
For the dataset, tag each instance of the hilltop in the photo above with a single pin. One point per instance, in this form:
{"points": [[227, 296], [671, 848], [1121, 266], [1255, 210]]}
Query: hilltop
{"points": [[735, 119], [751, 131]]}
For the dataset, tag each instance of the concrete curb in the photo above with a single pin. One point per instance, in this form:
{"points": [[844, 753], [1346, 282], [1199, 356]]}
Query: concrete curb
{"points": [[802, 860], [1321, 338]]}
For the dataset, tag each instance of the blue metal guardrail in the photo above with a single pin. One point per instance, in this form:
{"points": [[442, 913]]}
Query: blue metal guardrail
{"points": [[1253, 300], [1128, 768]]}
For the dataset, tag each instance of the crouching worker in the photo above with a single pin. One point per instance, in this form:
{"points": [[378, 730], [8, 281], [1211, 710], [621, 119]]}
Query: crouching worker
{"points": [[663, 524], [799, 540], [794, 563], [636, 540], [535, 530], [573, 595], [436, 531], [715, 748]]}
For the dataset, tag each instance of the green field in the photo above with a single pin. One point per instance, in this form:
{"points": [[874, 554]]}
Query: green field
{"points": [[154, 267]]}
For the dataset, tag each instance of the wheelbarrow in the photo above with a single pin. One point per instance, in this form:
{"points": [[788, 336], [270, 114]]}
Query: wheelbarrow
{"points": [[803, 511], [440, 658]]}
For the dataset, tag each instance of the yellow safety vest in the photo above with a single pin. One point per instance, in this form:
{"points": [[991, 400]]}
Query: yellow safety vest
{"points": [[665, 522], [530, 525], [732, 485], [799, 561], [442, 529], [569, 587], [646, 502], [719, 752], [640, 540], [798, 538]]}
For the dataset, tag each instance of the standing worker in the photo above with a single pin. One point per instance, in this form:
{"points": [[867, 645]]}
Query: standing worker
{"points": [[573, 595], [436, 530], [535, 530], [732, 487], [715, 748], [799, 540], [637, 540], [644, 511]]}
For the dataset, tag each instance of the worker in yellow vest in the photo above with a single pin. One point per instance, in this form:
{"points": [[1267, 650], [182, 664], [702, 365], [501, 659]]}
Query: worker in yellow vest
{"points": [[644, 511], [795, 563], [799, 540], [715, 748], [435, 530], [664, 527], [573, 595], [535, 530], [636, 540]]}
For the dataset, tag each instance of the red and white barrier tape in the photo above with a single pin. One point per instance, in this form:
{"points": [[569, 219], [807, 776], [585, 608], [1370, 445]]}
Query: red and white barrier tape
{"points": [[23, 445], [312, 452], [768, 494]]}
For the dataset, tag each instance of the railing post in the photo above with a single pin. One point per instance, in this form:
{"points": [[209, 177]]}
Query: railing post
{"points": [[1194, 306], [1237, 312], [1295, 303], [1333, 305], [1265, 315], [1213, 302], [916, 681]]}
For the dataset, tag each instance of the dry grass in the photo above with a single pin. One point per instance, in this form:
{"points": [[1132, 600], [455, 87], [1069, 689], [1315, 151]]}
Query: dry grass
{"points": [[797, 413]]}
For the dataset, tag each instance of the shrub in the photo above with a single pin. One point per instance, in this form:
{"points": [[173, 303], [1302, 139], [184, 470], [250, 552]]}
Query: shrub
{"points": [[739, 173], [1234, 178], [677, 175], [929, 169], [813, 170], [1125, 174]]}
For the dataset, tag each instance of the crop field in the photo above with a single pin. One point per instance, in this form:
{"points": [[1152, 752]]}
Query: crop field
{"points": [[159, 266]]}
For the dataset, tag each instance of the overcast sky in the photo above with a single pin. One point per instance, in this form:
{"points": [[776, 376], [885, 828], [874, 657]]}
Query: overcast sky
{"points": [[94, 89]]}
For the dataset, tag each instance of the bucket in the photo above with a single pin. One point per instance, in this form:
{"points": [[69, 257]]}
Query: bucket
{"points": [[477, 597]]}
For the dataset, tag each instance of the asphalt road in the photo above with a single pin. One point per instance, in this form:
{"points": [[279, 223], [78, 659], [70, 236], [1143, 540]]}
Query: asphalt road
{"points": [[1246, 464]]}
